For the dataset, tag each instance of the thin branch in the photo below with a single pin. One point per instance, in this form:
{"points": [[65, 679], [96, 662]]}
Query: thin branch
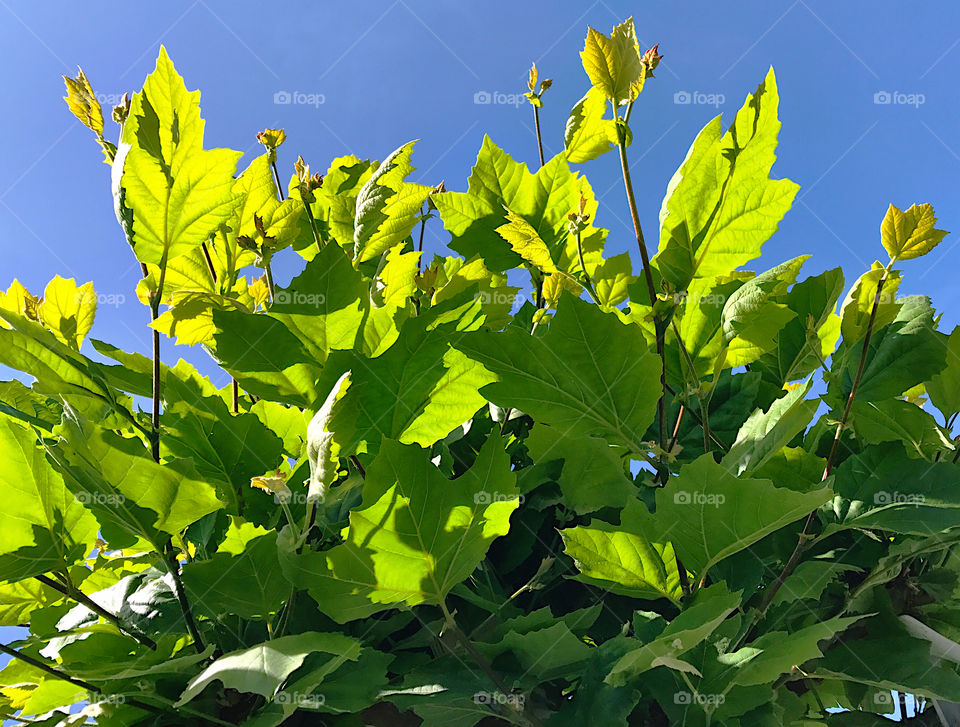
{"points": [[659, 325], [174, 568], [536, 123], [63, 676], [804, 537], [481, 661]]}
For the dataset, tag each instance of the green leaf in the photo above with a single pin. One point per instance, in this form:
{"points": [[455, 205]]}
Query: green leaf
{"points": [[525, 241], [227, 450], [46, 528], [543, 200], [324, 305], [709, 514], [766, 432], [811, 337], [59, 369], [589, 375], [903, 354], [752, 316], [613, 63], [858, 303], [910, 234], [124, 487], [944, 388], [248, 584], [29, 406], [68, 310], [177, 192], [265, 357], [419, 390], [694, 624], [592, 476], [262, 669], [415, 535], [896, 420], [622, 559], [19, 600], [588, 134], [780, 651], [387, 207], [721, 205], [891, 661], [882, 487], [809, 580]]}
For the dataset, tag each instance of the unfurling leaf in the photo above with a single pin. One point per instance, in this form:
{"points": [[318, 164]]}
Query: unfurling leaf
{"points": [[614, 63]]}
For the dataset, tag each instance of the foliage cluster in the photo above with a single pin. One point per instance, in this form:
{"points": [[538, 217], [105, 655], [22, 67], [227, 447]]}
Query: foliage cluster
{"points": [[516, 485]]}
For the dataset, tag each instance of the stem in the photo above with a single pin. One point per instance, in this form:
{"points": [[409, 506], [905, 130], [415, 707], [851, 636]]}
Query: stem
{"points": [[174, 568], [676, 428], [269, 273], [705, 422], [860, 366], [536, 123], [356, 463], [206, 256], [699, 420], [313, 223], [276, 178], [236, 396], [82, 598], [480, 659], [648, 276], [155, 397], [583, 268], [423, 226]]}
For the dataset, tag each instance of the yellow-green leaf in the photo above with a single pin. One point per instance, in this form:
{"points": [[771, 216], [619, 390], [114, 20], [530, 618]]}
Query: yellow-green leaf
{"points": [[83, 102], [911, 233], [68, 309], [614, 63], [526, 242]]}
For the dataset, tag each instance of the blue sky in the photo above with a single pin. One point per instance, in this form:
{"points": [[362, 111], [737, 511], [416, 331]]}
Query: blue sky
{"points": [[365, 77]]}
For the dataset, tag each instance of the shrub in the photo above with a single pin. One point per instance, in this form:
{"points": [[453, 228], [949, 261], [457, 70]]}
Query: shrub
{"points": [[521, 485]]}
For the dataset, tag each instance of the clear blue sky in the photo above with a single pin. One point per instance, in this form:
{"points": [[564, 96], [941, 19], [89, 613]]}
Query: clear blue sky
{"points": [[388, 72]]}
